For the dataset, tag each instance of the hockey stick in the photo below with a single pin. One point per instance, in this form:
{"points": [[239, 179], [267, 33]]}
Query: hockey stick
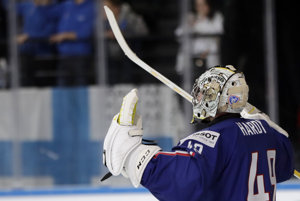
{"points": [[132, 56], [297, 174]]}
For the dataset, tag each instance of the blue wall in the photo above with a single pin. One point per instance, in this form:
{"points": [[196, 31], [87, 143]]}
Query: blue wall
{"points": [[71, 157]]}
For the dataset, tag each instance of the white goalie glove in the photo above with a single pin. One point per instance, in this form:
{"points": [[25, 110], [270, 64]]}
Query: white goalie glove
{"points": [[123, 151]]}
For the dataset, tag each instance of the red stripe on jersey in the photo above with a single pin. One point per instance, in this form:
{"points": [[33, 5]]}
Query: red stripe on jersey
{"points": [[171, 154]]}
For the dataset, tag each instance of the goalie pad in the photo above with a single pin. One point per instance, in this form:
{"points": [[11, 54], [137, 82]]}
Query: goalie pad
{"points": [[137, 161]]}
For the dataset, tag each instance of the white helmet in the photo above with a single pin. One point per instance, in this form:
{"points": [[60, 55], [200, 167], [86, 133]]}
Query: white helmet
{"points": [[219, 89]]}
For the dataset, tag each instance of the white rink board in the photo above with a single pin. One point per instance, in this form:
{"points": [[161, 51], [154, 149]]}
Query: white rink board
{"points": [[288, 195], [282, 195]]}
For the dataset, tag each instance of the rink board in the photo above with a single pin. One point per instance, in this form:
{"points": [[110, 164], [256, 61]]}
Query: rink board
{"points": [[289, 191]]}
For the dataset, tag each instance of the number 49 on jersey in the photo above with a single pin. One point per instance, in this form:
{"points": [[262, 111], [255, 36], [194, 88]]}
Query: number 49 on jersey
{"points": [[262, 195]]}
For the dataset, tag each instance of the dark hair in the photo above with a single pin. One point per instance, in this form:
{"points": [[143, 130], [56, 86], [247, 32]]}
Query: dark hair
{"points": [[212, 7], [116, 2]]}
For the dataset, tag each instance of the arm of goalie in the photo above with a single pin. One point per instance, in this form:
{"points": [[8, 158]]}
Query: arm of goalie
{"points": [[123, 151]]}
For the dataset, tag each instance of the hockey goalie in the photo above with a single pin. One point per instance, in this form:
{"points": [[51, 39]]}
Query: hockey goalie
{"points": [[233, 158]]}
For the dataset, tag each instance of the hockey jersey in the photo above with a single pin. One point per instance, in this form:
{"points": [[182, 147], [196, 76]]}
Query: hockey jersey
{"points": [[234, 159]]}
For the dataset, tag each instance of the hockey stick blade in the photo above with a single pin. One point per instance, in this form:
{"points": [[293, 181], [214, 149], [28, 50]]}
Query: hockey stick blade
{"points": [[132, 56], [297, 174]]}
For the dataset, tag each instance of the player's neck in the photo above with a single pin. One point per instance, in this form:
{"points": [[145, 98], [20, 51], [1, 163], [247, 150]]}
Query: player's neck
{"points": [[218, 115]]}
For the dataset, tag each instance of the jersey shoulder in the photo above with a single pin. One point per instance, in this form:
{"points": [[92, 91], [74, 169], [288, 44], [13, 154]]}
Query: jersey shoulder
{"points": [[211, 135], [206, 137]]}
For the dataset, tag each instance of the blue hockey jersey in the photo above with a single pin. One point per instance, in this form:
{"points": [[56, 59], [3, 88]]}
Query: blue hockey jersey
{"points": [[234, 159]]}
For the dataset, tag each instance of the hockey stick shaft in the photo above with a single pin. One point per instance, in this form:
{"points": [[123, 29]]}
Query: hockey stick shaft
{"points": [[132, 56]]}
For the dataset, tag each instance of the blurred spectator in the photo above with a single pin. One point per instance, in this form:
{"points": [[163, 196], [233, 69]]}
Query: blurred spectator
{"points": [[204, 25], [3, 47], [73, 39], [133, 28], [3, 30], [36, 28]]}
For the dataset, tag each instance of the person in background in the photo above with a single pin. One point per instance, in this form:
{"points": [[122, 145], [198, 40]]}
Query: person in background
{"points": [[205, 21], [33, 39], [36, 26], [133, 28], [3, 30], [73, 40], [3, 47]]}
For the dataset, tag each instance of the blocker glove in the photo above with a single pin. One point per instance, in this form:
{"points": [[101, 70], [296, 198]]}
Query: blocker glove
{"points": [[123, 151]]}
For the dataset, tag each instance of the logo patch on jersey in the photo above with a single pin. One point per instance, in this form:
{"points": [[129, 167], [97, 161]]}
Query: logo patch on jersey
{"points": [[208, 138], [233, 99]]}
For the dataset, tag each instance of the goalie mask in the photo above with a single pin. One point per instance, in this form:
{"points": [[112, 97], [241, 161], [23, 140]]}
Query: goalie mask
{"points": [[219, 89]]}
